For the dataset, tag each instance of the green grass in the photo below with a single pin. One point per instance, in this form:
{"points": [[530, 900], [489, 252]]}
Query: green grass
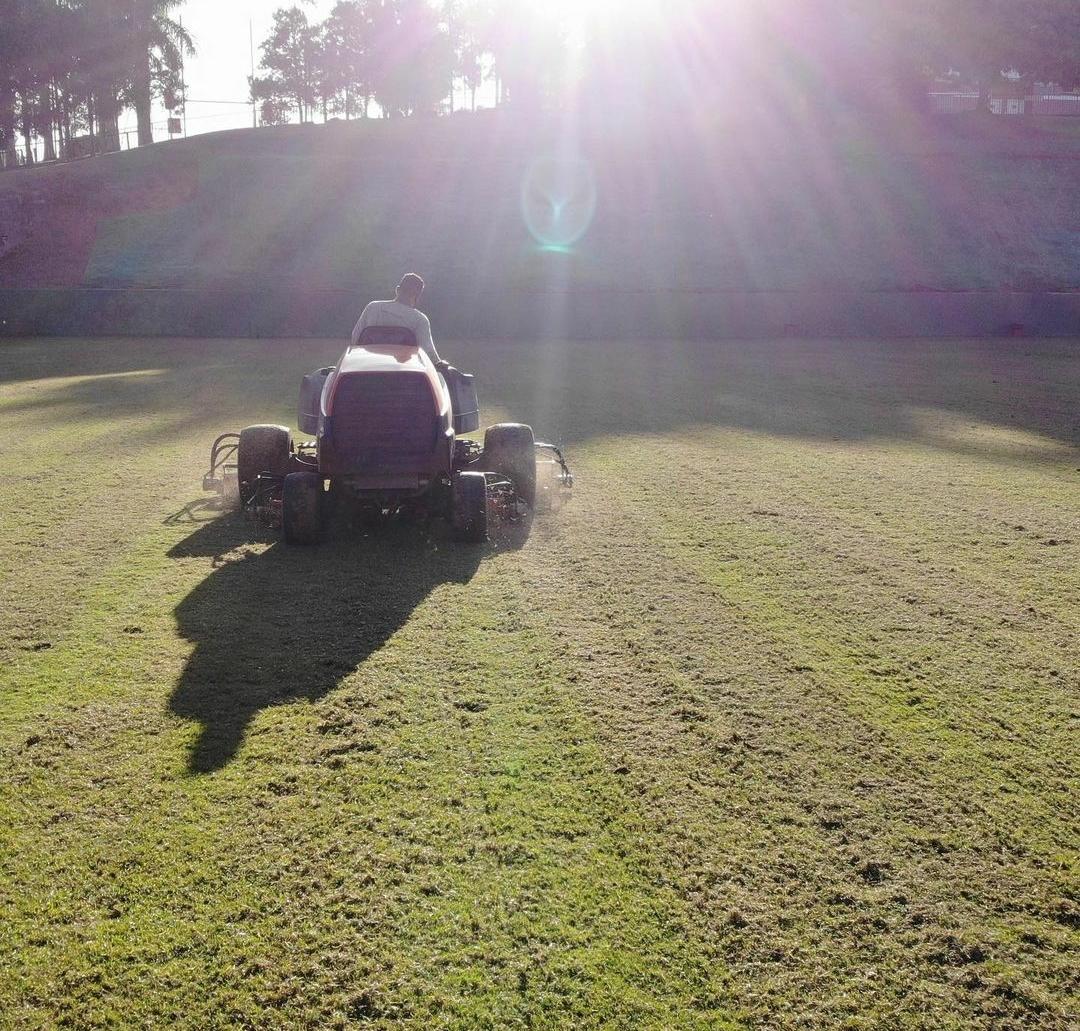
{"points": [[775, 725]]}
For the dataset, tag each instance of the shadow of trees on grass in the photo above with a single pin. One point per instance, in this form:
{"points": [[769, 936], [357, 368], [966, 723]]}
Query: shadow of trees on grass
{"points": [[850, 390], [288, 624], [808, 389]]}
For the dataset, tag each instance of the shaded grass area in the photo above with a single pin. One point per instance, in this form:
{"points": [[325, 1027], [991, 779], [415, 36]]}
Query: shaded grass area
{"points": [[775, 724]]}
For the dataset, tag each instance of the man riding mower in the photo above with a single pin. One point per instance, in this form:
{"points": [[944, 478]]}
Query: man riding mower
{"points": [[387, 425]]}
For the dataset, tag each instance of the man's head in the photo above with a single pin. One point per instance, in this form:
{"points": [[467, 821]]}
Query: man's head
{"points": [[409, 289]]}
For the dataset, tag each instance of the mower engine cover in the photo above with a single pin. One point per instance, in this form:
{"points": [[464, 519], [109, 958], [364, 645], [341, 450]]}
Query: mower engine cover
{"points": [[385, 416]]}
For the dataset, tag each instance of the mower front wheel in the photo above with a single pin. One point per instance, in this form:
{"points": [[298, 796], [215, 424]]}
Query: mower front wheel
{"points": [[510, 451], [262, 449], [468, 514], [302, 508]]}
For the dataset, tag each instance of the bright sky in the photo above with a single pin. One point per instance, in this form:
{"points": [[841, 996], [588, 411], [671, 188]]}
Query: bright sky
{"points": [[220, 69]]}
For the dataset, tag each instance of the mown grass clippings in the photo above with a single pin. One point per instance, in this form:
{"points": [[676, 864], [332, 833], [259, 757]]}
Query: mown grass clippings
{"points": [[774, 724]]}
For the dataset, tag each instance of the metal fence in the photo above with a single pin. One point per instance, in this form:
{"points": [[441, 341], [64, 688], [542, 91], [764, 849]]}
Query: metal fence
{"points": [[1064, 104], [1047, 104], [945, 103], [81, 146]]}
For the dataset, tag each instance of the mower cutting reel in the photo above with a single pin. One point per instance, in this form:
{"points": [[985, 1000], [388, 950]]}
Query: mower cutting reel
{"points": [[554, 481], [222, 477]]}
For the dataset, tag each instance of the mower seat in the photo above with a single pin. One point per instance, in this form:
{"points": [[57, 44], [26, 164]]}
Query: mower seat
{"points": [[386, 336]]}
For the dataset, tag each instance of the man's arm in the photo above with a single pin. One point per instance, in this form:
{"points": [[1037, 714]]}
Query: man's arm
{"points": [[361, 323], [424, 339]]}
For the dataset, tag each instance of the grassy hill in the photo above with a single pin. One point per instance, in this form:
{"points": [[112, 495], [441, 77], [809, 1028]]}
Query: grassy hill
{"points": [[945, 207]]}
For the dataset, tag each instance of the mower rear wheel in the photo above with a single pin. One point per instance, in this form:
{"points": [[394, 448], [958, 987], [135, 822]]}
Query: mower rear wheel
{"points": [[262, 449], [302, 508], [468, 514], [510, 451]]}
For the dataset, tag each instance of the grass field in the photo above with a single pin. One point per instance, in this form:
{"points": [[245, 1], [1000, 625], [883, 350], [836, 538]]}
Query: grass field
{"points": [[774, 726]]}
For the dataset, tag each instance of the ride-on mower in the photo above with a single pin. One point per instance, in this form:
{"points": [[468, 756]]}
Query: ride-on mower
{"points": [[386, 425]]}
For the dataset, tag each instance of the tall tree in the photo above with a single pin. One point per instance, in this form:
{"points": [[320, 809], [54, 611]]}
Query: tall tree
{"points": [[56, 62], [290, 56], [466, 21], [346, 55], [412, 59], [104, 56], [528, 46], [21, 43], [157, 46], [77, 63]]}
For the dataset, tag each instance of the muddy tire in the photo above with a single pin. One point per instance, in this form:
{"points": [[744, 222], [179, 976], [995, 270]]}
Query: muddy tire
{"points": [[510, 451], [468, 507], [263, 449], [302, 508]]}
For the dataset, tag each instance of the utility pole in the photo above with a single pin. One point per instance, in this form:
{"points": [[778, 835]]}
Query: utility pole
{"points": [[183, 81], [251, 44]]}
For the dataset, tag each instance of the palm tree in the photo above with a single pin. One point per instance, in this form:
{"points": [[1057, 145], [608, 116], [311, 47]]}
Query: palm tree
{"points": [[157, 45]]}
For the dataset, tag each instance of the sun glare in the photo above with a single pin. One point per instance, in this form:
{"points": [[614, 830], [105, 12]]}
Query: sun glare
{"points": [[580, 15]]}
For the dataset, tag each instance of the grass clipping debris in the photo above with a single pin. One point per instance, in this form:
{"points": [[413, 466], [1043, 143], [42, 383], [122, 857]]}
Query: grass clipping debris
{"points": [[774, 725]]}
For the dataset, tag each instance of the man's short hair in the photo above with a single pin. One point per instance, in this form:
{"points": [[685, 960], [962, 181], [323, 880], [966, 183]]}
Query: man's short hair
{"points": [[411, 283]]}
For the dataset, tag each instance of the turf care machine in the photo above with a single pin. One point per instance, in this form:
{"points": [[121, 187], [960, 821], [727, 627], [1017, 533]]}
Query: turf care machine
{"points": [[386, 424]]}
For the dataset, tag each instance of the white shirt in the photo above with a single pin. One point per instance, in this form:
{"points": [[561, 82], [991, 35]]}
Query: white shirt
{"points": [[394, 313]]}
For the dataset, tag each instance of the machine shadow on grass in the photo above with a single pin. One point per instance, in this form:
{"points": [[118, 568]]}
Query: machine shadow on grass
{"points": [[289, 624]]}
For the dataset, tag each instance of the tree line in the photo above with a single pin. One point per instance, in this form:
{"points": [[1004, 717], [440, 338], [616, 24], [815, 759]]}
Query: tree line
{"points": [[68, 68], [405, 56]]}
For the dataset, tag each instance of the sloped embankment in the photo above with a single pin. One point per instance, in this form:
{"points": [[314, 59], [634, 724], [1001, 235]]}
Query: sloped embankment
{"points": [[309, 211]]}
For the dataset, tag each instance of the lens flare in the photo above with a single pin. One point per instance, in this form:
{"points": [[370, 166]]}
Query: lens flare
{"points": [[558, 201]]}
